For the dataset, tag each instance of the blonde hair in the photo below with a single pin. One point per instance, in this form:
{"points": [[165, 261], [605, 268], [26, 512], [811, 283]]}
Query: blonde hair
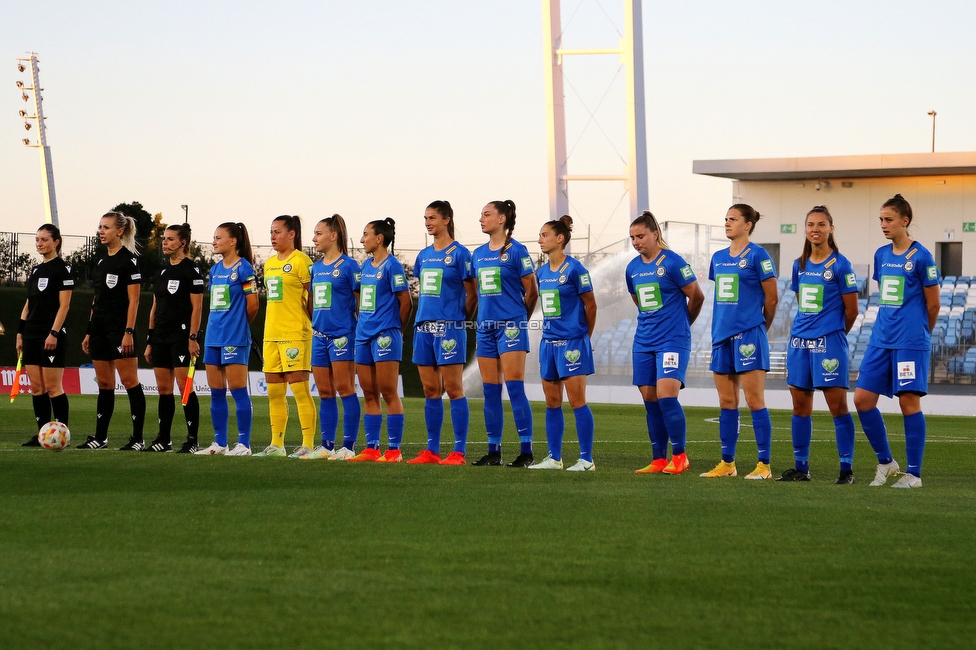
{"points": [[128, 226]]}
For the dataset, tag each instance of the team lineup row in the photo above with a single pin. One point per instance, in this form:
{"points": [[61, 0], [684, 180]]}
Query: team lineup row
{"points": [[337, 320]]}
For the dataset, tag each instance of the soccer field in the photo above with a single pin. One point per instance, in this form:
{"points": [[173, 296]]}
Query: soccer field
{"points": [[119, 550]]}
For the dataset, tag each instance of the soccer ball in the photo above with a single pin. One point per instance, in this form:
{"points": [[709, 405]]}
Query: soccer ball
{"points": [[54, 435]]}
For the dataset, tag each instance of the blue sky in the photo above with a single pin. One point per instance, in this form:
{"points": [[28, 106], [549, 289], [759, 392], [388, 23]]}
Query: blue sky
{"points": [[246, 110]]}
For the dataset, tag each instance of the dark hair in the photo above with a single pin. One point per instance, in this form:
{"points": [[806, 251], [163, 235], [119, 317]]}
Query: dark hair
{"points": [[807, 246], [386, 228], [506, 208], [444, 209], [294, 224], [899, 205], [128, 226], [336, 224], [561, 226], [183, 232], [239, 232], [55, 234], [648, 221], [749, 213]]}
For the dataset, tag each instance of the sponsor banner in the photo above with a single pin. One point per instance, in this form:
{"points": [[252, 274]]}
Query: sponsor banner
{"points": [[70, 381]]}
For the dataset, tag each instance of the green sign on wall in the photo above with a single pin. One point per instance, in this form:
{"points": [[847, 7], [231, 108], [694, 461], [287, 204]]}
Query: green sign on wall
{"points": [[969, 226], [787, 228]]}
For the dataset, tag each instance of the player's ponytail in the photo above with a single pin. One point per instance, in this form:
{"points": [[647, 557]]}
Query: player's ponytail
{"points": [[238, 231], [128, 227], [336, 224], [183, 233], [899, 205], [386, 228], [294, 224], [650, 222], [55, 233], [807, 246], [444, 209], [561, 227]]}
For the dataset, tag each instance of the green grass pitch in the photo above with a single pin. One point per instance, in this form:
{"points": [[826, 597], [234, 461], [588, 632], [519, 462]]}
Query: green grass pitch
{"points": [[111, 550]]}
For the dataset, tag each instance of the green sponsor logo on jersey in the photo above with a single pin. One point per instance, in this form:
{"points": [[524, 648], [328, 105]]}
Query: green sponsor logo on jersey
{"points": [[219, 297], [932, 272], [367, 298], [448, 345], [851, 280], [830, 365], [549, 299], [572, 355], [810, 298], [649, 296], [490, 280], [766, 266], [727, 287], [274, 285], [585, 280], [322, 295], [340, 342], [747, 350], [291, 353], [430, 282], [384, 341], [686, 272], [527, 263], [891, 290], [399, 280], [511, 332]]}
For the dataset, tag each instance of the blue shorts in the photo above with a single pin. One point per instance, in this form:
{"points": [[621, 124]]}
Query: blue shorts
{"points": [[439, 343], [226, 356], [493, 342], [890, 372], [567, 358], [326, 349], [385, 346], [741, 353], [649, 367], [818, 363]]}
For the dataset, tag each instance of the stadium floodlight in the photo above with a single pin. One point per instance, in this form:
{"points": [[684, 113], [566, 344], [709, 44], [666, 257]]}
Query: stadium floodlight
{"points": [[20, 84], [26, 142], [22, 113], [27, 125], [47, 171], [20, 67], [24, 97]]}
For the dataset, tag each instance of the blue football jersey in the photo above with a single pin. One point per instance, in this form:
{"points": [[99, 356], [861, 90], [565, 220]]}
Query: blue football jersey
{"points": [[563, 316], [739, 296], [333, 296], [501, 296], [442, 275], [820, 290], [227, 324], [379, 308], [662, 307], [903, 321]]}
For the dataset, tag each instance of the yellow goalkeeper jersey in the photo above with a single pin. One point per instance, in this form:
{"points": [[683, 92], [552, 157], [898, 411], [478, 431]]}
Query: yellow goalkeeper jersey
{"points": [[286, 283]]}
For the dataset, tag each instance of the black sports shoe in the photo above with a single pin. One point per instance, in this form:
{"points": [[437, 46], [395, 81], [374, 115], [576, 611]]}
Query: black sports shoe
{"points": [[33, 442], [159, 445], [134, 444], [793, 475], [522, 460], [92, 443], [189, 447], [491, 459], [845, 478]]}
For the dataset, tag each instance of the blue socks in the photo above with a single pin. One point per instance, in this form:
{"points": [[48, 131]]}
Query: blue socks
{"points": [[329, 420], [728, 432], [763, 427], [657, 430], [914, 442], [493, 416], [674, 420], [844, 427], [584, 430], [555, 427], [373, 424], [394, 429], [219, 414], [434, 417], [874, 428], [350, 420], [244, 413], [522, 413], [460, 417], [802, 428]]}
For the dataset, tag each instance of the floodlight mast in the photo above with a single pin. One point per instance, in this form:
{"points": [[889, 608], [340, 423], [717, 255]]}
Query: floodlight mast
{"points": [[47, 168], [631, 53]]}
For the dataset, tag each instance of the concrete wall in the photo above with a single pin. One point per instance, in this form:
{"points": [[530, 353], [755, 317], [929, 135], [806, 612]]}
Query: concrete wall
{"points": [[940, 204]]}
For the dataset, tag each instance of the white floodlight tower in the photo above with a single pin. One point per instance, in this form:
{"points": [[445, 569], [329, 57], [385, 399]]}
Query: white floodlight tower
{"points": [[47, 169], [631, 53]]}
